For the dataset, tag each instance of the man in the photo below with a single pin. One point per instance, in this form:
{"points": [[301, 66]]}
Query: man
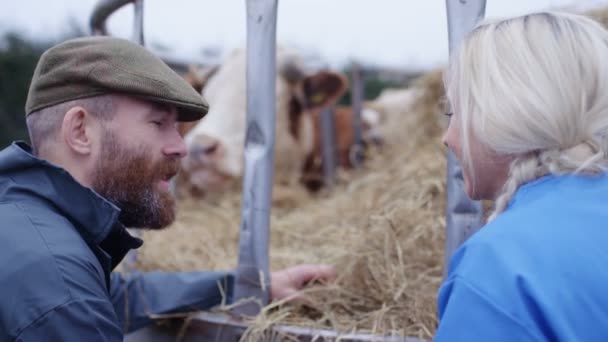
{"points": [[102, 116]]}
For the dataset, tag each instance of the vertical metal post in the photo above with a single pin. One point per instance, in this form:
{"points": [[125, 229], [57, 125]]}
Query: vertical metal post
{"points": [[356, 153], [328, 144], [138, 22], [138, 37], [463, 214], [252, 278]]}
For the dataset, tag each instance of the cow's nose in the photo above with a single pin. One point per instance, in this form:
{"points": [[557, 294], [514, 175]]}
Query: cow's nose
{"points": [[205, 148]]}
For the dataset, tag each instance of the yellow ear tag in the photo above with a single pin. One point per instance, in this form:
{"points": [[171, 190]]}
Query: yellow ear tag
{"points": [[317, 98]]}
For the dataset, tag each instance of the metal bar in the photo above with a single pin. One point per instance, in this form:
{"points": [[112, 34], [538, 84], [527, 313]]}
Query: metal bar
{"points": [[213, 327], [464, 216], [138, 22], [101, 12], [328, 145], [105, 8], [356, 155], [252, 278]]}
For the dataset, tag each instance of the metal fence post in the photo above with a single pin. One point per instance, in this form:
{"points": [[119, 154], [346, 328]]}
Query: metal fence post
{"points": [[357, 88], [252, 278], [138, 22], [328, 143], [463, 215]]}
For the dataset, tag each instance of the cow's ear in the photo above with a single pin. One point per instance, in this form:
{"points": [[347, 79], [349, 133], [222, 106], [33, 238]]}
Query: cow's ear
{"points": [[323, 88]]}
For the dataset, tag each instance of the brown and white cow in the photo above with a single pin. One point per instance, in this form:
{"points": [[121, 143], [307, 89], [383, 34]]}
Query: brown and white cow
{"points": [[312, 172], [216, 143]]}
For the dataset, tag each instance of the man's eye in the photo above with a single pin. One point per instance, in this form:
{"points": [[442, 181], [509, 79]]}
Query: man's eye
{"points": [[449, 114], [157, 123]]}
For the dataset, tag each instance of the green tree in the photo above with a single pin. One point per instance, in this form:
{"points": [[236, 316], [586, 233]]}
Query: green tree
{"points": [[374, 83], [18, 58]]}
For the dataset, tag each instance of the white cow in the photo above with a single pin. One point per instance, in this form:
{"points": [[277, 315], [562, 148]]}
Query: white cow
{"points": [[216, 143]]}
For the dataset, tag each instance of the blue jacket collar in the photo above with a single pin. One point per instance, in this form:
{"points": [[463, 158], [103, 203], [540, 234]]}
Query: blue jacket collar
{"points": [[23, 175]]}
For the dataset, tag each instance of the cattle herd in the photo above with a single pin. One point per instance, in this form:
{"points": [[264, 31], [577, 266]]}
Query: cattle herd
{"points": [[216, 143]]}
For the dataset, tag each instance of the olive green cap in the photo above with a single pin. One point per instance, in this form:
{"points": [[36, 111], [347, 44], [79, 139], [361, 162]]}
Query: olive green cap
{"points": [[91, 66]]}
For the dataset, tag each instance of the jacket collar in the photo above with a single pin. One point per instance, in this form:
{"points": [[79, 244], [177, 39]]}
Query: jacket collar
{"points": [[95, 217]]}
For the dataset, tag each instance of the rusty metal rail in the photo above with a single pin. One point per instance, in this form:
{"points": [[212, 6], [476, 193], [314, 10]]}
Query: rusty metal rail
{"points": [[217, 328]]}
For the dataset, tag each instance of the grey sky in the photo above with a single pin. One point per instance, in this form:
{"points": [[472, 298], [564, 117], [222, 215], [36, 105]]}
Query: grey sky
{"points": [[395, 33]]}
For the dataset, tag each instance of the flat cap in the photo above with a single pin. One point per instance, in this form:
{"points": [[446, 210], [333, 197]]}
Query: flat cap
{"points": [[85, 67]]}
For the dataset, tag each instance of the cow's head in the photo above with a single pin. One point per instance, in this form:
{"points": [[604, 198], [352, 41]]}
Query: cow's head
{"points": [[216, 143], [348, 152]]}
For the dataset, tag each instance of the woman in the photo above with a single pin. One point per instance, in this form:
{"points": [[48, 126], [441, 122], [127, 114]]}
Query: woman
{"points": [[529, 98]]}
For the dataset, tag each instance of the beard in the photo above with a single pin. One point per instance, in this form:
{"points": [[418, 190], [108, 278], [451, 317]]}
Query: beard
{"points": [[128, 177]]}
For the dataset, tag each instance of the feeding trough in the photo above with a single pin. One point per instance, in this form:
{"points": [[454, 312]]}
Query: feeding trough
{"points": [[463, 215]]}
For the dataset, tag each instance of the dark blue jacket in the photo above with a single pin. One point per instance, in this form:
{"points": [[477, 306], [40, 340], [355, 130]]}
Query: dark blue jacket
{"points": [[59, 242]]}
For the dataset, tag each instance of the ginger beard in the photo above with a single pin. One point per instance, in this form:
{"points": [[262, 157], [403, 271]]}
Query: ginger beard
{"points": [[129, 177]]}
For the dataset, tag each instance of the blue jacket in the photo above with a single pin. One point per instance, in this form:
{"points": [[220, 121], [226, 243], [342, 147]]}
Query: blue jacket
{"points": [[59, 242], [537, 272]]}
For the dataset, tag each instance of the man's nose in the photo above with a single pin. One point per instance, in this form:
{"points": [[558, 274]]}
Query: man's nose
{"points": [[177, 147]]}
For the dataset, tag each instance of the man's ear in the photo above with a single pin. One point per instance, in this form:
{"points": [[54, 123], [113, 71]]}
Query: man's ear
{"points": [[323, 88], [77, 130]]}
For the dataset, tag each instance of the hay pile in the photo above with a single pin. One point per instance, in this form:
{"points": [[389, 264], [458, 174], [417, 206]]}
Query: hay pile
{"points": [[382, 227]]}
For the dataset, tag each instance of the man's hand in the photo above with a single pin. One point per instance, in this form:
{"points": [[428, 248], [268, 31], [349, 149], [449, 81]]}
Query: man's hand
{"points": [[289, 281]]}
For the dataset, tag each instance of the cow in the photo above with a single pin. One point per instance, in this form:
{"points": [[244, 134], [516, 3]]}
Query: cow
{"points": [[216, 143], [312, 172]]}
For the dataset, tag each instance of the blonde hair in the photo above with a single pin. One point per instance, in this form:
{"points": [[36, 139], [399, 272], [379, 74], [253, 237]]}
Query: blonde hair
{"points": [[534, 88]]}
